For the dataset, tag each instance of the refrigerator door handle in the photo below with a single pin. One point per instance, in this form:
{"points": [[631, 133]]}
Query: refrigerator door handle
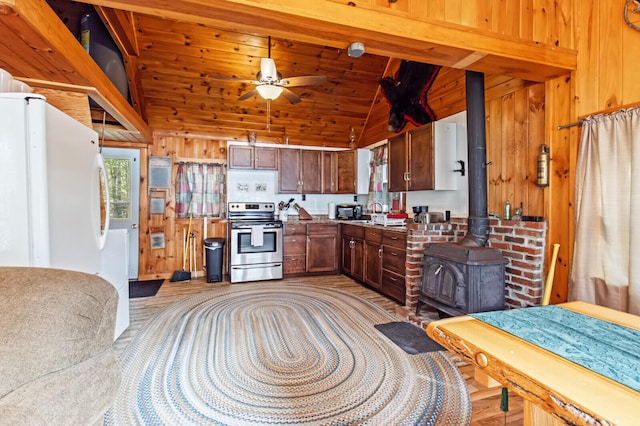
{"points": [[104, 186]]}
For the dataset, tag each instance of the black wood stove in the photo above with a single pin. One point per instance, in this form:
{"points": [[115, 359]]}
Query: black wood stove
{"points": [[466, 277]]}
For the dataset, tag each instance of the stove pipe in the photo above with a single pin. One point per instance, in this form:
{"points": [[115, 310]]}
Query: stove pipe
{"points": [[478, 227]]}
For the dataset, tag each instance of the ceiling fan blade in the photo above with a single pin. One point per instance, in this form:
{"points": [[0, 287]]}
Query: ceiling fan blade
{"points": [[249, 94], [290, 96], [268, 70], [307, 80]]}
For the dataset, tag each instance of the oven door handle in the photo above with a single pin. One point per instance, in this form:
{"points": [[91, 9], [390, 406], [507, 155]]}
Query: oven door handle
{"points": [[263, 266]]}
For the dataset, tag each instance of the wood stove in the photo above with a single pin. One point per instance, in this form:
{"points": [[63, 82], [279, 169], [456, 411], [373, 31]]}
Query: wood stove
{"points": [[467, 277]]}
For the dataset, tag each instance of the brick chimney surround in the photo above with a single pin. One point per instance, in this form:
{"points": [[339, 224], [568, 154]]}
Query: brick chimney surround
{"points": [[522, 244]]}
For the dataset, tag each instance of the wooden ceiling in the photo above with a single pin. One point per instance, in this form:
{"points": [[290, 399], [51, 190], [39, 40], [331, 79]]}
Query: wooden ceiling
{"points": [[182, 55]]}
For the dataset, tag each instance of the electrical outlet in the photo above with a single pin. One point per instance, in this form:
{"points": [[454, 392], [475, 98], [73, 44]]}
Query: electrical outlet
{"points": [[261, 187], [243, 187]]}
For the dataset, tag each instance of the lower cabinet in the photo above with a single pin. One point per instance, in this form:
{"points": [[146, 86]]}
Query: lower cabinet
{"points": [[322, 244], [376, 257], [310, 248], [373, 257], [294, 248], [353, 251]]}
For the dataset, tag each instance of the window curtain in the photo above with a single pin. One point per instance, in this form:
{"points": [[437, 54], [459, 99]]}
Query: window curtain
{"points": [[607, 237], [378, 179], [200, 189]]}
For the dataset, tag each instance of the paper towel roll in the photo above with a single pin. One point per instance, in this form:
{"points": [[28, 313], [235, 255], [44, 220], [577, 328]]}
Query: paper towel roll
{"points": [[332, 210]]}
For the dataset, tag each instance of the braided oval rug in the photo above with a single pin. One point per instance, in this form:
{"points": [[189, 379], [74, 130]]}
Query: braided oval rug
{"points": [[281, 354]]}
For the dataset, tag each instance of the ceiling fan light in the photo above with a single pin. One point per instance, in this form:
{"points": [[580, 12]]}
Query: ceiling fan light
{"points": [[269, 91]]}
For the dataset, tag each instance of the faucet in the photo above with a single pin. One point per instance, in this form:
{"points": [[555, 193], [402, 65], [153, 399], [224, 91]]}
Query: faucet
{"points": [[373, 207]]}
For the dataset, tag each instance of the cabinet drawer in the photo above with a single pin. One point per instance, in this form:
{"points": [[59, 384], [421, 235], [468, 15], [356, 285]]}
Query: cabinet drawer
{"points": [[295, 229], [393, 259], [294, 244], [373, 235], [322, 229], [296, 264], [393, 285], [353, 230], [395, 239]]}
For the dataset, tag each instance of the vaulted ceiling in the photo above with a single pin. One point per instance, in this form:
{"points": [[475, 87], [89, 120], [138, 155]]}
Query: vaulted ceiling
{"points": [[185, 60]]}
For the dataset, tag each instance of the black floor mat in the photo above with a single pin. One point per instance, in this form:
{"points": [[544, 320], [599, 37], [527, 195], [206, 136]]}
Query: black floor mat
{"points": [[144, 288], [411, 338]]}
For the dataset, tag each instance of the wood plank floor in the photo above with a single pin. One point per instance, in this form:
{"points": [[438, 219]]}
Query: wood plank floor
{"points": [[486, 402]]}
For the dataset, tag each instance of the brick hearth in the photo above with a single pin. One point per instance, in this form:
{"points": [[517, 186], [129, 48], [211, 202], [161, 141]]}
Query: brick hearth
{"points": [[521, 243]]}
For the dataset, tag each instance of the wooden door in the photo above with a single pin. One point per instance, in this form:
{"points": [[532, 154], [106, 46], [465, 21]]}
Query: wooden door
{"points": [[421, 171], [311, 171], [289, 171], [240, 157], [321, 253], [347, 255], [357, 264], [397, 151], [266, 158], [346, 169]]}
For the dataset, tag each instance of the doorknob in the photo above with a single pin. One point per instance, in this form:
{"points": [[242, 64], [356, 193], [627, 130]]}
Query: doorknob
{"points": [[134, 226]]}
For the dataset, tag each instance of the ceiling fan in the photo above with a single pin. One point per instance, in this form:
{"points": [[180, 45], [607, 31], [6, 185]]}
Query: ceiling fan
{"points": [[270, 84]]}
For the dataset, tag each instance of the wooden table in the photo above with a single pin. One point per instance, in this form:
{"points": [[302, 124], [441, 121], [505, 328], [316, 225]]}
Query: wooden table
{"points": [[555, 390]]}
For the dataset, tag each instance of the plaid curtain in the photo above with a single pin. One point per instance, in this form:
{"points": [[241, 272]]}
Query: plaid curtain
{"points": [[200, 187], [378, 180]]}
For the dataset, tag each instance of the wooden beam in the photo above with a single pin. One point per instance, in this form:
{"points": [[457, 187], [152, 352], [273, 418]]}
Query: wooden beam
{"points": [[329, 23], [35, 19]]}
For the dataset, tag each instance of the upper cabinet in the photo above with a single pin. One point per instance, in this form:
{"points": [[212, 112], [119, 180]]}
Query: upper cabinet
{"points": [[252, 157], [346, 172], [300, 171], [423, 159]]}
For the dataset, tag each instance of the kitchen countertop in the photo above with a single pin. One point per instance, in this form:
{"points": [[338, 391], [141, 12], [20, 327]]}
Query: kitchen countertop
{"points": [[325, 219]]}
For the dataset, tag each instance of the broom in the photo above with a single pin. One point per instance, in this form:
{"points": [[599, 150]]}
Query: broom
{"points": [[184, 275]]}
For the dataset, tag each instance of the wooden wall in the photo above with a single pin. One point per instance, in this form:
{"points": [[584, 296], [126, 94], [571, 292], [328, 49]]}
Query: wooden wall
{"points": [[605, 81], [161, 263]]}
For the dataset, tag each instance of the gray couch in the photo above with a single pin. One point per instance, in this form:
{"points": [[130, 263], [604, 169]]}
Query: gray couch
{"points": [[57, 365]]}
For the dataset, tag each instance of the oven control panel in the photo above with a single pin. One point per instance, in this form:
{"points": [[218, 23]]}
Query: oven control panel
{"points": [[251, 207]]}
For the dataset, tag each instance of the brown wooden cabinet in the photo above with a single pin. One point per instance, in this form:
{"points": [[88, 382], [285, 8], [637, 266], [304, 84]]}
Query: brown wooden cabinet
{"points": [[310, 248], [295, 248], [322, 245], [394, 255], [353, 251], [252, 157], [423, 159], [373, 257], [289, 171], [339, 170], [300, 171], [377, 257]]}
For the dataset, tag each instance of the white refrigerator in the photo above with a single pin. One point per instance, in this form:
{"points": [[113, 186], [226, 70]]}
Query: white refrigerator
{"points": [[50, 188], [54, 197]]}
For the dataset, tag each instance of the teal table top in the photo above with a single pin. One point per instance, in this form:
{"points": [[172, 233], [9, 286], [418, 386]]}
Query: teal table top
{"points": [[608, 349]]}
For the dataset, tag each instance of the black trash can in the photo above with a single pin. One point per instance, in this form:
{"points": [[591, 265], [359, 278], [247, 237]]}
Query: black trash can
{"points": [[214, 248]]}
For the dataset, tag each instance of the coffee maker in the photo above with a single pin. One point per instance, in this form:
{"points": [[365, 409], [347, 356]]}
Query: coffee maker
{"points": [[416, 212]]}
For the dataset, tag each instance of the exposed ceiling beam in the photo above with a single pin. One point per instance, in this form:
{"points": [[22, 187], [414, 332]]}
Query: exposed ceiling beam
{"points": [[325, 22]]}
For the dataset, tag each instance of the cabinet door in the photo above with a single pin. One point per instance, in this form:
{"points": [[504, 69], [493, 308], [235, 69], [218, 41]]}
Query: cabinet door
{"points": [[240, 157], [347, 255], [397, 163], [357, 265], [321, 253], [328, 172], [346, 168], [372, 264], [311, 171], [421, 164], [289, 172], [266, 158]]}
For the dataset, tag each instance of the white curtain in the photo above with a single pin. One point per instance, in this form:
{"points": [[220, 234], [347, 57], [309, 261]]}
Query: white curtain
{"points": [[606, 263]]}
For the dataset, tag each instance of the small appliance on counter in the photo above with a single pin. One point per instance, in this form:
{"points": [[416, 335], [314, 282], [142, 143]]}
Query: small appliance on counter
{"points": [[349, 211], [416, 212], [430, 217], [389, 219]]}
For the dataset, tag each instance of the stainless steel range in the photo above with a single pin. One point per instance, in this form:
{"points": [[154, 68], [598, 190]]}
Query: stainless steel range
{"points": [[255, 242]]}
